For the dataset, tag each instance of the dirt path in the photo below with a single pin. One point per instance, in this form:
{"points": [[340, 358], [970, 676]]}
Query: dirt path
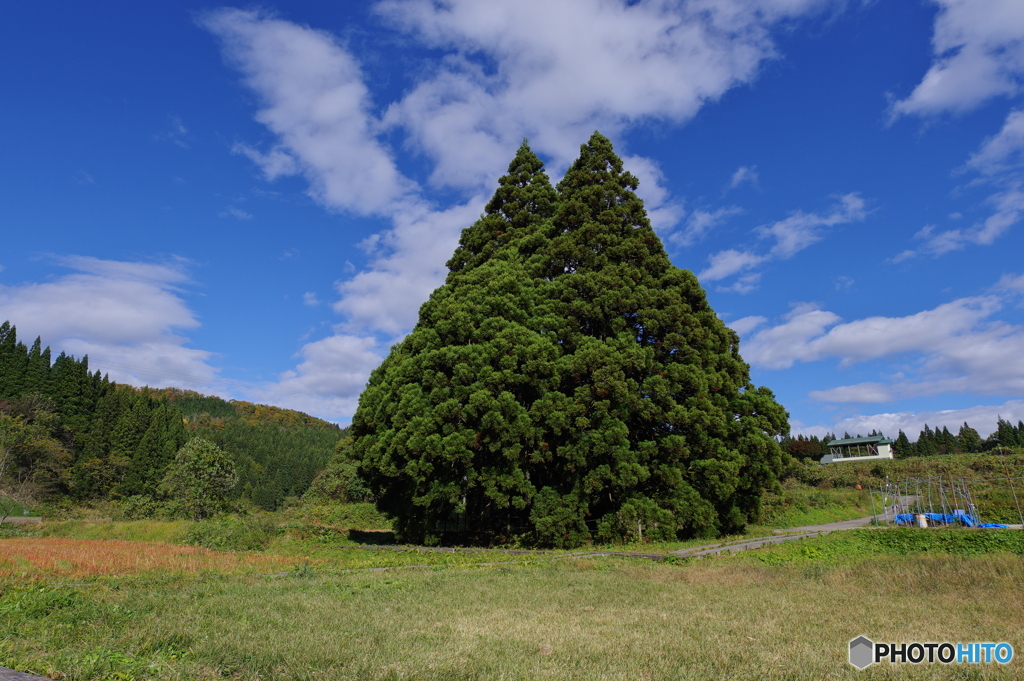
{"points": [[11, 675], [710, 549]]}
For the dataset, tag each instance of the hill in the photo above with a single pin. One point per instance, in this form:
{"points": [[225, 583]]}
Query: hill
{"points": [[67, 432], [277, 451]]}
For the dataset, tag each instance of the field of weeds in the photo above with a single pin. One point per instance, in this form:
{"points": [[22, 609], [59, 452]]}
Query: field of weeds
{"points": [[580, 619], [312, 603], [38, 558]]}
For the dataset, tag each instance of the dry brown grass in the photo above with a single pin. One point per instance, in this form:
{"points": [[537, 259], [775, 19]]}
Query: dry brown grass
{"points": [[30, 556]]}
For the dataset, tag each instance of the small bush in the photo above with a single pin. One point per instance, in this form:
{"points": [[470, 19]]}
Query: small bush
{"points": [[138, 507], [233, 533]]}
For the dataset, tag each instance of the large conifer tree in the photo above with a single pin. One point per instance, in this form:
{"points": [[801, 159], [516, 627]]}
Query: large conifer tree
{"points": [[567, 381]]}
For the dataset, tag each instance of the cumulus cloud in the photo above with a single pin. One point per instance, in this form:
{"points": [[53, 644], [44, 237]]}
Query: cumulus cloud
{"points": [[978, 54], [868, 392], [1011, 282], [507, 70], [780, 346], [791, 235], [957, 348], [387, 295], [314, 100], [1009, 207], [127, 316], [555, 83], [328, 379], [663, 210], [801, 230], [982, 418], [745, 325]]}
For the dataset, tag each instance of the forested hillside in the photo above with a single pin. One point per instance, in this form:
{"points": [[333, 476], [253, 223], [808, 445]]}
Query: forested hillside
{"points": [[277, 451], [66, 431]]}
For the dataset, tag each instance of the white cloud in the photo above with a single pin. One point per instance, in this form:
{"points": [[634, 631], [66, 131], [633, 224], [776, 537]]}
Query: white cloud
{"points": [[868, 392], [791, 235], [329, 378], [238, 213], [1009, 206], [555, 83], [700, 222], [309, 298], [743, 284], [982, 418], [314, 99], [509, 70], [82, 177], [844, 283], [978, 54], [176, 133], [1000, 161], [780, 346], [127, 316], [957, 348], [387, 295], [727, 263], [745, 325], [1011, 282], [801, 230], [1003, 150], [744, 174], [663, 211]]}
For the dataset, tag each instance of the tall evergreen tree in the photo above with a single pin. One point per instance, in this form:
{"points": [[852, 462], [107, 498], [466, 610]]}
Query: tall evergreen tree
{"points": [[969, 440], [1006, 433], [902, 446], [567, 381], [10, 362]]}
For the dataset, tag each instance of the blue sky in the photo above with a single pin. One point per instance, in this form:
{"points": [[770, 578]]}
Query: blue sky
{"points": [[254, 201]]}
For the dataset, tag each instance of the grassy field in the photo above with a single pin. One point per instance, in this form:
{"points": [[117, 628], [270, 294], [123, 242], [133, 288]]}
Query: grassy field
{"points": [[297, 595], [784, 613]]}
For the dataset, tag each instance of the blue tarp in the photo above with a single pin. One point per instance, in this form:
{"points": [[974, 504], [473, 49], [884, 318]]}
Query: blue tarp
{"points": [[944, 518], [993, 526]]}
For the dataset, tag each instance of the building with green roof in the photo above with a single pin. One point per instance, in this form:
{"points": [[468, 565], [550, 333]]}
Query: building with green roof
{"points": [[871, 448]]}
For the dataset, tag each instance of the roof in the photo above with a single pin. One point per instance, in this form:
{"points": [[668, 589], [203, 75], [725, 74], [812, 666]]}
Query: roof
{"points": [[872, 439]]}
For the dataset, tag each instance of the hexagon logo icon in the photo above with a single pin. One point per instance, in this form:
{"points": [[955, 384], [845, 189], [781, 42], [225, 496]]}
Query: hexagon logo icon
{"points": [[862, 652]]}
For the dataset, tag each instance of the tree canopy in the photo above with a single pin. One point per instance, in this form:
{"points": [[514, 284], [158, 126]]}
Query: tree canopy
{"points": [[199, 479], [567, 381]]}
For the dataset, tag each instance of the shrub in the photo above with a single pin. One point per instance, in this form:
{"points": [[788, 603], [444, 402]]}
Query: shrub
{"points": [[138, 507], [233, 533]]}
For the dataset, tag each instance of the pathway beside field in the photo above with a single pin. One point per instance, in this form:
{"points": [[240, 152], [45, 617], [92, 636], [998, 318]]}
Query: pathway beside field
{"points": [[11, 675], [713, 549], [789, 534]]}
